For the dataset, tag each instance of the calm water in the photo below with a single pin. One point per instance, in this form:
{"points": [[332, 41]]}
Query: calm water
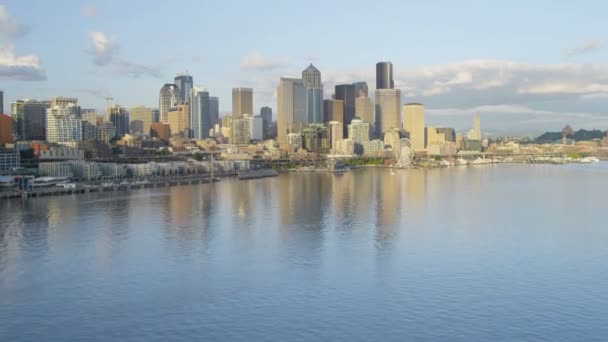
{"points": [[492, 253]]}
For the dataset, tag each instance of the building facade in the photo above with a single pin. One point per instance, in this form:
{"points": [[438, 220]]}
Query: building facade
{"points": [[140, 119], [179, 118], [346, 93], [291, 106], [388, 110], [200, 113], [311, 77], [184, 83], [29, 119], [62, 125], [333, 110], [6, 130], [169, 97], [413, 124], [119, 117], [384, 75], [242, 102], [336, 133]]}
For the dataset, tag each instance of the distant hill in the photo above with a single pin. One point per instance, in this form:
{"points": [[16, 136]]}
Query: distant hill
{"points": [[580, 135]]}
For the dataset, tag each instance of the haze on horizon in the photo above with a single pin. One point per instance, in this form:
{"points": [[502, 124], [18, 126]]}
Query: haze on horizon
{"points": [[524, 67]]}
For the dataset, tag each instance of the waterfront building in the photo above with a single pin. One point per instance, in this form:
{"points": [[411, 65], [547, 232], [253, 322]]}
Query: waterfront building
{"points": [[346, 147], [242, 102], [184, 84], [169, 97], [62, 125], [388, 110], [119, 117], [55, 169], [311, 77], [140, 119], [333, 110], [179, 118], [384, 75], [9, 159], [200, 113], [315, 138], [413, 124], [358, 132], [433, 136], [374, 148], [445, 148], [291, 106], [6, 129], [161, 131], [336, 133], [29, 119], [346, 93], [61, 153], [361, 89]]}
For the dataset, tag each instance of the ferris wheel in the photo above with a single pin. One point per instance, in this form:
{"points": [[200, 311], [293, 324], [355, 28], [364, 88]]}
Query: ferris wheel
{"points": [[404, 153]]}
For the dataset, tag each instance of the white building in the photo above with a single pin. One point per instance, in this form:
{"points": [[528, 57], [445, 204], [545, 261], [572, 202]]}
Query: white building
{"points": [[336, 133], [358, 131], [256, 126], [62, 125]]}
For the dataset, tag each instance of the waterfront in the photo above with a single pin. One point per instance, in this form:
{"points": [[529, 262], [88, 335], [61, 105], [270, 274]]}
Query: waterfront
{"points": [[479, 253]]}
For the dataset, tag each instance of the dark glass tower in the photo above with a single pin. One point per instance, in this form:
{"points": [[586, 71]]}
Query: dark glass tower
{"points": [[346, 93], [384, 75]]}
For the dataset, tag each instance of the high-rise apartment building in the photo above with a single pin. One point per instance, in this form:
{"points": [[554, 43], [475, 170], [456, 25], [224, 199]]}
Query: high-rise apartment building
{"points": [[240, 130], [242, 102], [291, 106], [200, 113], [29, 119], [384, 75], [140, 119], [119, 117], [184, 83], [169, 97], [179, 120], [413, 124], [6, 129], [311, 77], [333, 110], [388, 110], [62, 125], [358, 131], [346, 93], [336, 133]]}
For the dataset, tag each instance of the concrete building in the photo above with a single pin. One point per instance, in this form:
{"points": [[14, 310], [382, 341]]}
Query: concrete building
{"points": [[29, 119], [364, 109], [388, 110], [448, 133], [384, 75], [291, 106], [200, 113], [256, 126], [62, 125], [333, 110], [413, 124], [240, 130], [345, 147], [161, 131], [346, 93], [433, 136], [336, 133], [446, 148], [179, 120], [140, 119], [62, 153], [373, 148], [6, 130], [119, 117], [311, 77], [168, 98], [358, 132], [184, 83], [242, 102]]}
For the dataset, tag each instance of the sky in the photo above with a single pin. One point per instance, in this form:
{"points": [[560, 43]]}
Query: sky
{"points": [[525, 66]]}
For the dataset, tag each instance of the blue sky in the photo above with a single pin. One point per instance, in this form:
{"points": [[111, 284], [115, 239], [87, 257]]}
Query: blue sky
{"points": [[525, 66]]}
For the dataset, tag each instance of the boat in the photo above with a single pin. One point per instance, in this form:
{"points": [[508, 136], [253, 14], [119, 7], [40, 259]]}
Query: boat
{"points": [[461, 161], [255, 174], [589, 160], [45, 182]]}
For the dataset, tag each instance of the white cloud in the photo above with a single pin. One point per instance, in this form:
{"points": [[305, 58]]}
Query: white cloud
{"points": [[9, 27], [255, 61], [106, 53], [23, 68], [588, 47]]}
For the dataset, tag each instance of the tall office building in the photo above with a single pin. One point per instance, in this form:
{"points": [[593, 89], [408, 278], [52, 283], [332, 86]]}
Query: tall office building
{"points": [[361, 89], [119, 117], [179, 120], [184, 83], [214, 109], [62, 125], [161, 131], [475, 132], [291, 106], [364, 109], [336, 133], [256, 127], [388, 110], [314, 94], [449, 133], [169, 97], [384, 75], [155, 115], [346, 93], [29, 119], [413, 124], [200, 113], [140, 119], [242, 102], [1, 101], [266, 114], [6, 129], [333, 110]]}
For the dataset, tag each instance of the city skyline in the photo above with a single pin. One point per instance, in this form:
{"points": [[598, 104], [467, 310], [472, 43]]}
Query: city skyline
{"points": [[532, 83]]}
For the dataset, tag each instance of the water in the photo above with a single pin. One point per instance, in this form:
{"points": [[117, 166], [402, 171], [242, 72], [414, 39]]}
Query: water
{"points": [[491, 253]]}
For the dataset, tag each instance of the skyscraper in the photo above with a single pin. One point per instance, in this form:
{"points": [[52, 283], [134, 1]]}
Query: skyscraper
{"points": [[140, 119], [62, 125], [214, 109], [364, 109], [361, 89], [314, 94], [266, 114], [333, 110], [184, 83], [119, 117], [384, 75], [413, 124], [336, 133], [29, 119], [200, 113], [169, 97], [388, 110], [179, 120], [475, 132], [346, 93], [1, 101], [242, 102], [6, 129], [291, 106]]}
